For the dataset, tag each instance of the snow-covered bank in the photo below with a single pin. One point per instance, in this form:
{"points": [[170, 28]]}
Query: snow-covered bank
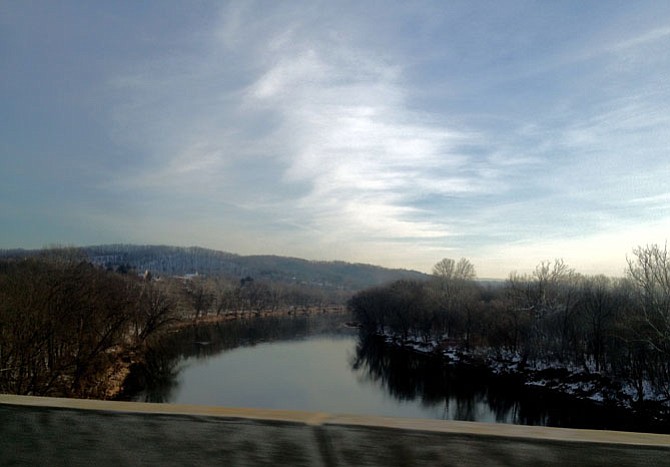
{"points": [[565, 380]]}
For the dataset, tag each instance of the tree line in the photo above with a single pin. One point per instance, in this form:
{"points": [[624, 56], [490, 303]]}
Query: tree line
{"points": [[65, 325], [201, 296], [614, 327]]}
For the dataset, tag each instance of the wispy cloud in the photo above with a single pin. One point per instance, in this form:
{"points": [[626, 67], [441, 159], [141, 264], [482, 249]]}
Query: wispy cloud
{"points": [[389, 134], [364, 154], [316, 138], [339, 130], [643, 38]]}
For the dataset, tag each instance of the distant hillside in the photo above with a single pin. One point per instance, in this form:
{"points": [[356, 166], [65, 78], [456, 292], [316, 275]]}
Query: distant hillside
{"points": [[177, 261]]}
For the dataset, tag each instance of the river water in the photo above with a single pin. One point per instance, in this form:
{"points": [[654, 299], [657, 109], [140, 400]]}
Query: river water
{"points": [[319, 364]]}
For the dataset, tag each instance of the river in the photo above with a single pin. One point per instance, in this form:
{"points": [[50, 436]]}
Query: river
{"points": [[319, 364]]}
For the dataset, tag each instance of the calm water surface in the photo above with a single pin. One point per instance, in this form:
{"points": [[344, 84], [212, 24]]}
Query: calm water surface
{"points": [[317, 364], [313, 373]]}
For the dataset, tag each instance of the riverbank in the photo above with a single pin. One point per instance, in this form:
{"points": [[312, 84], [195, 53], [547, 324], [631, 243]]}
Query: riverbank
{"points": [[549, 378], [234, 315]]}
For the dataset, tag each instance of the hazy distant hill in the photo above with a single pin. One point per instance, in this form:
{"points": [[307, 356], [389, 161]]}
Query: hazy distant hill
{"points": [[174, 261]]}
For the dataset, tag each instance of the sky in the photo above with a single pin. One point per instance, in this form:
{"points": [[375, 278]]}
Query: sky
{"points": [[386, 132]]}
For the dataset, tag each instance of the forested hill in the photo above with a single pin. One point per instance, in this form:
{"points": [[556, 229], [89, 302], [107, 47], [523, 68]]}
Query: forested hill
{"points": [[177, 261]]}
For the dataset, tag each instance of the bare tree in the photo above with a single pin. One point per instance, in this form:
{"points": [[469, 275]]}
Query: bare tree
{"points": [[649, 270], [198, 295], [63, 323], [599, 305], [448, 269], [155, 310]]}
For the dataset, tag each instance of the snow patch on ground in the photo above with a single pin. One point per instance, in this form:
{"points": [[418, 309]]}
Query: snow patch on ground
{"points": [[582, 382]]}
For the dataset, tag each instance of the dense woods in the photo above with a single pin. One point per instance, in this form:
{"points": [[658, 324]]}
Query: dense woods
{"points": [[614, 328], [66, 326]]}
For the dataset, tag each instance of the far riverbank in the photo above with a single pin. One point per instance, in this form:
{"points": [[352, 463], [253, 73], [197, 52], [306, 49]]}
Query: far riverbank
{"points": [[549, 378]]}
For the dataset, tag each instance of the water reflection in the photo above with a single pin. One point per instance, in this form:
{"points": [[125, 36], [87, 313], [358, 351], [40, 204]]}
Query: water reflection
{"points": [[316, 363], [463, 394], [474, 394]]}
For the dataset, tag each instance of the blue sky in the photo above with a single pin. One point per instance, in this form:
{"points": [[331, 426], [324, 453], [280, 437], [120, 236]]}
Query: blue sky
{"points": [[392, 133]]}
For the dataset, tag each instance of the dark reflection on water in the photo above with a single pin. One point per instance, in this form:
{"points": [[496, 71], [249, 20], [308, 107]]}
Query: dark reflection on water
{"points": [[316, 363], [467, 393], [407, 376]]}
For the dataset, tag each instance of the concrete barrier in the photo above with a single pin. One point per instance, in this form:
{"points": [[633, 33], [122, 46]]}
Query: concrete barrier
{"points": [[53, 431]]}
